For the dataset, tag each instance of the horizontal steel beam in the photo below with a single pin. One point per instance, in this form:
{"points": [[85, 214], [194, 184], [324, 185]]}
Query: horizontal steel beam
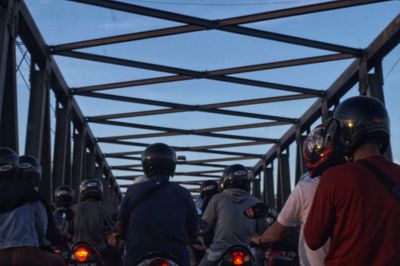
{"points": [[185, 72], [230, 27], [220, 72], [204, 130], [183, 107], [181, 131]]}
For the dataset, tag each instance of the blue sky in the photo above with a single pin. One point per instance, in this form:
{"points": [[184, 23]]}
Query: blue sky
{"points": [[63, 21]]}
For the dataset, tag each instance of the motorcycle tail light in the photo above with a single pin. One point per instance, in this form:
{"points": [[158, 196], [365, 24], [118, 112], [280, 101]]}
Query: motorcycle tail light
{"points": [[81, 254], [159, 262], [239, 258]]}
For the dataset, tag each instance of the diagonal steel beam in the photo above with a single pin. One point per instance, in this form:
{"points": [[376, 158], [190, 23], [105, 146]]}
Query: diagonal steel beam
{"points": [[182, 131], [185, 72], [193, 148], [227, 71], [184, 107], [226, 26], [204, 130], [220, 23], [198, 107]]}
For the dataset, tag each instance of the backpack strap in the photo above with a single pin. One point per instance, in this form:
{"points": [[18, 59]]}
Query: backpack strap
{"points": [[386, 181]]}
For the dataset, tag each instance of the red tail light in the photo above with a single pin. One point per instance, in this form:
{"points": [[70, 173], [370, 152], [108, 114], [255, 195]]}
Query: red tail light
{"points": [[159, 262], [81, 254], [239, 258]]}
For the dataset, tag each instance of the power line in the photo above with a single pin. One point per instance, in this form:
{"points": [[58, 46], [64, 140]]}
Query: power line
{"points": [[392, 68]]}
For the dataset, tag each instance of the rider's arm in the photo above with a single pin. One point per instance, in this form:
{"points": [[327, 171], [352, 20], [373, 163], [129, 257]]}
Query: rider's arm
{"points": [[274, 233], [321, 218]]}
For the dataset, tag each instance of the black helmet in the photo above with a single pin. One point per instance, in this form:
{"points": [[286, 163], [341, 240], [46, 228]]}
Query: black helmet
{"points": [[159, 159], [91, 188], [30, 170], [8, 162], [362, 119], [236, 176], [64, 196], [321, 151], [208, 189]]}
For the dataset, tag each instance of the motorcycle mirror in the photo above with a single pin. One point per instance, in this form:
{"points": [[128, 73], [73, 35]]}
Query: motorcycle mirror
{"points": [[257, 211]]}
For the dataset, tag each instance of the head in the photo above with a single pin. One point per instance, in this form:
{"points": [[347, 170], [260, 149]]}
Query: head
{"points": [[362, 120], [159, 159], [236, 176], [64, 196], [91, 189], [30, 170], [320, 151], [8, 163], [208, 189]]}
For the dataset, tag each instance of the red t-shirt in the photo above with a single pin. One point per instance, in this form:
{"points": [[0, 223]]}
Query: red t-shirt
{"points": [[359, 213]]}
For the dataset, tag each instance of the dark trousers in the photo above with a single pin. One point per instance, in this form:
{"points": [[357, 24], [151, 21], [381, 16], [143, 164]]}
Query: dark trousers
{"points": [[24, 256]]}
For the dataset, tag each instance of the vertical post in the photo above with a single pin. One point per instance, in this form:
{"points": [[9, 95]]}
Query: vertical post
{"points": [[324, 109], [283, 178], [300, 165], [376, 91], [60, 145], [269, 186], [46, 184], [78, 160], [90, 163], [8, 83], [256, 184], [36, 114], [363, 82]]}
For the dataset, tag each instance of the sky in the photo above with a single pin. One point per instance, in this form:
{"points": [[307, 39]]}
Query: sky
{"points": [[62, 21]]}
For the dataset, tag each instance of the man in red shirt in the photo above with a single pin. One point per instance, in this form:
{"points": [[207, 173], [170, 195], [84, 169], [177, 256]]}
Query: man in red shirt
{"points": [[351, 205]]}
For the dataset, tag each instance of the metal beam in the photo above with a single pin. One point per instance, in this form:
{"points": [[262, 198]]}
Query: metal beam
{"points": [[225, 22], [221, 72], [78, 160], [283, 179], [214, 24], [186, 107], [380, 47], [181, 132], [204, 130], [60, 145], [185, 72], [36, 114]]}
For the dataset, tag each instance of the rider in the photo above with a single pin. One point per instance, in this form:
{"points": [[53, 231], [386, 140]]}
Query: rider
{"points": [[358, 209], [319, 154], [157, 215], [24, 215], [207, 190], [63, 215], [224, 214], [92, 221]]}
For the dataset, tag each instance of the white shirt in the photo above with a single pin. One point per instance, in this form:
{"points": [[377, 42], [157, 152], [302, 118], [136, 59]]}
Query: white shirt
{"points": [[295, 213]]}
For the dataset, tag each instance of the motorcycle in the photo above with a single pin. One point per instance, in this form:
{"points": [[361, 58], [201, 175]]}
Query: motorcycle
{"points": [[84, 254], [281, 253], [158, 259]]}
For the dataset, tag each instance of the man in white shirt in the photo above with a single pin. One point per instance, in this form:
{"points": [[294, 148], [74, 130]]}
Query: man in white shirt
{"points": [[319, 154]]}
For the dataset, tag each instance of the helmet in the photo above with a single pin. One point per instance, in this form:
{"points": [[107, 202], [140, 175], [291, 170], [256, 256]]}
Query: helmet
{"points": [[91, 188], [159, 159], [8, 162], [362, 119], [320, 150], [236, 176], [30, 170], [208, 189], [64, 196]]}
